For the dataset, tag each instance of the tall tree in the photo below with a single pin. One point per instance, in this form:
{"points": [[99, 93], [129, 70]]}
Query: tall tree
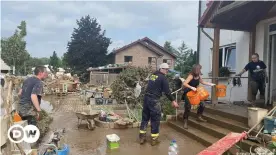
{"points": [[169, 47], [186, 57], [55, 61], [14, 49], [87, 48]]}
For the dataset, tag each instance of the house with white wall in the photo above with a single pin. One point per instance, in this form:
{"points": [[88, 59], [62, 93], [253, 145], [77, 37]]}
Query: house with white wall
{"points": [[229, 33]]}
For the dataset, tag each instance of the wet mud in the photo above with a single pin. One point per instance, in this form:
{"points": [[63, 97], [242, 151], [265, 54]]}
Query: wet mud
{"points": [[93, 142]]}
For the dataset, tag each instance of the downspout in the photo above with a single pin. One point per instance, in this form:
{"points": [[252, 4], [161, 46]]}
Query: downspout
{"points": [[198, 33]]}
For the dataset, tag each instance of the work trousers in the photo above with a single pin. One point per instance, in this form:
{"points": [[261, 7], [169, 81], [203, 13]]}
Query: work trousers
{"points": [[188, 107], [30, 119], [257, 86], [151, 111]]}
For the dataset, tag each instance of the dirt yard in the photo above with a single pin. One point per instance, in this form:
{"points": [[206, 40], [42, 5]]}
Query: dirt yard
{"points": [[86, 142]]}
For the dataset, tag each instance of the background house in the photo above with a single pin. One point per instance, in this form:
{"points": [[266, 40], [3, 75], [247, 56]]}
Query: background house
{"points": [[144, 52], [4, 67], [239, 30]]}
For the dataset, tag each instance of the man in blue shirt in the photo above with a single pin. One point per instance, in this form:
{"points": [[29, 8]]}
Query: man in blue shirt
{"points": [[257, 69], [30, 96], [157, 84]]}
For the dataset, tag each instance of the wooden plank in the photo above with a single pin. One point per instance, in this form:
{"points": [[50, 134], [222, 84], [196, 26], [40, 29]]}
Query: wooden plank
{"points": [[231, 7], [215, 64], [252, 41]]}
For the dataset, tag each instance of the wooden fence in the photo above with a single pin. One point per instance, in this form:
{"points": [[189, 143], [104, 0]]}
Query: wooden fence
{"points": [[102, 78]]}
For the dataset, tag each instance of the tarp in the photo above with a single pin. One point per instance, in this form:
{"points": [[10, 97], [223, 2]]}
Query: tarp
{"points": [[223, 144]]}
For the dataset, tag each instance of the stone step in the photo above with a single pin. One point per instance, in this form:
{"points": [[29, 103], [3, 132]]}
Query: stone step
{"points": [[196, 134]]}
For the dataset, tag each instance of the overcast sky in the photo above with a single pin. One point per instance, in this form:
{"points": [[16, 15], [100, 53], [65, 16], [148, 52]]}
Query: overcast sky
{"points": [[50, 24]]}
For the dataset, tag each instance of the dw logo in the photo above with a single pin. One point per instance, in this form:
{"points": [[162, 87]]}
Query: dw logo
{"points": [[29, 133]]}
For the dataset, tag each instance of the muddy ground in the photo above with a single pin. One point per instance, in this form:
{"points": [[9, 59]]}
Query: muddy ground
{"points": [[86, 142]]}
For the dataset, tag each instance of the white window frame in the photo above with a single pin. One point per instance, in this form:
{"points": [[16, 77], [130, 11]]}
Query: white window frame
{"points": [[224, 52]]}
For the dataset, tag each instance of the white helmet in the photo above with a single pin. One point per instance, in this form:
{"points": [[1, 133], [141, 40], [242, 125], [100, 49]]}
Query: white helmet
{"points": [[164, 66]]}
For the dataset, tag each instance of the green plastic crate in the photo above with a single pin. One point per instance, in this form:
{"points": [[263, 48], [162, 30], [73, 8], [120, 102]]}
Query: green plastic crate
{"points": [[113, 141]]}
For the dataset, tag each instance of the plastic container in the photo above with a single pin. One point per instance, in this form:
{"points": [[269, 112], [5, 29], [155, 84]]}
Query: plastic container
{"points": [[64, 151], [202, 93], [221, 90], [173, 148], [193, 97], [255, 115], [113, 141], [269, 124]]}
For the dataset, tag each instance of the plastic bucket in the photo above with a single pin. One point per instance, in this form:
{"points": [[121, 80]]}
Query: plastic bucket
{"points": [[193, 97], [202, 93], [16, 117], [113, 141], [64, 151], [221, 90]]}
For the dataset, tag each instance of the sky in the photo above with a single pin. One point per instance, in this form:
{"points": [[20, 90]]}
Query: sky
{"points": [[51, 23]]}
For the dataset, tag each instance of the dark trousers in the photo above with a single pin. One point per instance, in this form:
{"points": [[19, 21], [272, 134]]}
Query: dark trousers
{"points": [[151, 111], [188, 107], [257, 86], [30, 119]]}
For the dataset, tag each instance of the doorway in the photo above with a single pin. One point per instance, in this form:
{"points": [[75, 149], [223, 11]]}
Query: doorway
{"points": [[272, 64]]}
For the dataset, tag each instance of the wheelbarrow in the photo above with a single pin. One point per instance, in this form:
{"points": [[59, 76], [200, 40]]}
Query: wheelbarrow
{"points": [[89, 118]]}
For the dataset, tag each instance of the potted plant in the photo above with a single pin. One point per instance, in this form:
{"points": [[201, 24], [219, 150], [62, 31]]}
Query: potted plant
{"points": [[224, 72]]}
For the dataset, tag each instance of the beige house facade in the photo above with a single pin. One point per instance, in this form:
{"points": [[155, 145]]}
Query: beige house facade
{"points": [[144, 52]]}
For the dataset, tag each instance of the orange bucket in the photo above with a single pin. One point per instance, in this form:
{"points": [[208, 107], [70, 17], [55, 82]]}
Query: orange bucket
{"points": [[202, 93], [16, 117], [193, 97], [220, 90]]}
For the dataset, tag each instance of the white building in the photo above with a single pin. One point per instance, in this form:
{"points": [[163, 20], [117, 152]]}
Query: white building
{"points": [[244, 27]]}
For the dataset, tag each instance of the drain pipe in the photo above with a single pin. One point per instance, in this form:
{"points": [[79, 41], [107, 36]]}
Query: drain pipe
{"points": [[207, 35], [198, 33]]}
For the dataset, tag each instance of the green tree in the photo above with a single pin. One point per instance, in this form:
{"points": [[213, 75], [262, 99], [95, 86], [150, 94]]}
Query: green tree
{"points": [[87, 48], [169, 47], [55, 61], [13, 49], [186, 57]]}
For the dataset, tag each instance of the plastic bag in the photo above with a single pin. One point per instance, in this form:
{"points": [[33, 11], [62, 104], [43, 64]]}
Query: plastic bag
{"points": [[137, 90]]}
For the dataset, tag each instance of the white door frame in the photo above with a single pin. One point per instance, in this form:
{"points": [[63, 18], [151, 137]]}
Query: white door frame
{"points": [[270, 55]]}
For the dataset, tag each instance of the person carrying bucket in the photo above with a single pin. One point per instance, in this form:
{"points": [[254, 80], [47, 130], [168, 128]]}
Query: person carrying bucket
{"points": [[151, 108], [191, 83], [257, 69]]}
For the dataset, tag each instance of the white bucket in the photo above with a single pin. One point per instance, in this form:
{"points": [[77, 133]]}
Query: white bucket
{"points": [[255, 115]]}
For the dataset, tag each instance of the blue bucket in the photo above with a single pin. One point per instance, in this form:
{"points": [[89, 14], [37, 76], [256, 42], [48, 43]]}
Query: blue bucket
{"points": [[269, 123], [64, 151]]}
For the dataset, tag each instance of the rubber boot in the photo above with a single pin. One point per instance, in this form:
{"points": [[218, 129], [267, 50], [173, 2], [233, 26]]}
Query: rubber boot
{"points": [[185, 123], [154, 141], [142, 137], [200, 119]]}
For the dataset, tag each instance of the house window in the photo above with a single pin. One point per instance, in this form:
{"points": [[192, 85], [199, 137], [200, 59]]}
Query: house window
{"points": [[128, 58], [227, 57], [151, 60], [168, 61]]}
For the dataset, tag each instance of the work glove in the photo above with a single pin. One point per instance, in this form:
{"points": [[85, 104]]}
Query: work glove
{"points": [[174, 104], [212, 84], [193, 88]]}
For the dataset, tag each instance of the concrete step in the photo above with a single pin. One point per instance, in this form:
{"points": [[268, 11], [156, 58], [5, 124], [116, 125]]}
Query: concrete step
{"points": [[224, 122], [216, 131], [228, 115], [197, 134]]}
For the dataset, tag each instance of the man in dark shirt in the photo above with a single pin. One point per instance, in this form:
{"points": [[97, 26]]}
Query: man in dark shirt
{"points": [[152, 109], [30, 96], [257, 69]]}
